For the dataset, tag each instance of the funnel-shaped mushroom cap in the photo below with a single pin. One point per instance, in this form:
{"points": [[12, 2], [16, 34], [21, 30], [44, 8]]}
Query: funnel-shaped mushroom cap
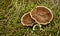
{"points": [[27, 20], [42, 15]]}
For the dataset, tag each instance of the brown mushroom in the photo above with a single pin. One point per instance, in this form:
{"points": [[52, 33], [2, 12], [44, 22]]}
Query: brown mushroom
{"points": [[42, 15], [26, 20]]}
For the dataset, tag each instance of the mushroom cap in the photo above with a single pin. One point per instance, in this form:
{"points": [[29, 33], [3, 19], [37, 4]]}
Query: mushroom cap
{"points": [[42, 15], [26, 20]]}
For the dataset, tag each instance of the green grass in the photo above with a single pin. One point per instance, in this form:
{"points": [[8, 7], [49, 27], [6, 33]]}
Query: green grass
{"points": [[11, 12]]}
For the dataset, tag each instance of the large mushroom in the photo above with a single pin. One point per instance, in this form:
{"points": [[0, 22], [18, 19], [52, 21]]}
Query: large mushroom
{"points": [[42, 15], [26, 20]]}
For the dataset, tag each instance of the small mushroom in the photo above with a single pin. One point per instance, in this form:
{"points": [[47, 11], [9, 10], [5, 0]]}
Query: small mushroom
{"points": [[26, 20], [42, 15]]}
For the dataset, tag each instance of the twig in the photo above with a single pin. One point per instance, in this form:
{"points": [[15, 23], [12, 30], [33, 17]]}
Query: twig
{"points": [[58, 33], [56, 25]]}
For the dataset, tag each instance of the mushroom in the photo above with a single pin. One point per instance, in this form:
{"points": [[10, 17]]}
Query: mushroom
{"points": [[26, 20], [42, 15]]}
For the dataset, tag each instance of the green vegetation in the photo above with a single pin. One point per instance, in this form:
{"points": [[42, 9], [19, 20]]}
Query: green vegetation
{"points": [[11, 12]]}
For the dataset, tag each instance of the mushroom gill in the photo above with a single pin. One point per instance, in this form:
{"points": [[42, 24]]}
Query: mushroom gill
{"points": [[27, 20], [42, 15]]}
